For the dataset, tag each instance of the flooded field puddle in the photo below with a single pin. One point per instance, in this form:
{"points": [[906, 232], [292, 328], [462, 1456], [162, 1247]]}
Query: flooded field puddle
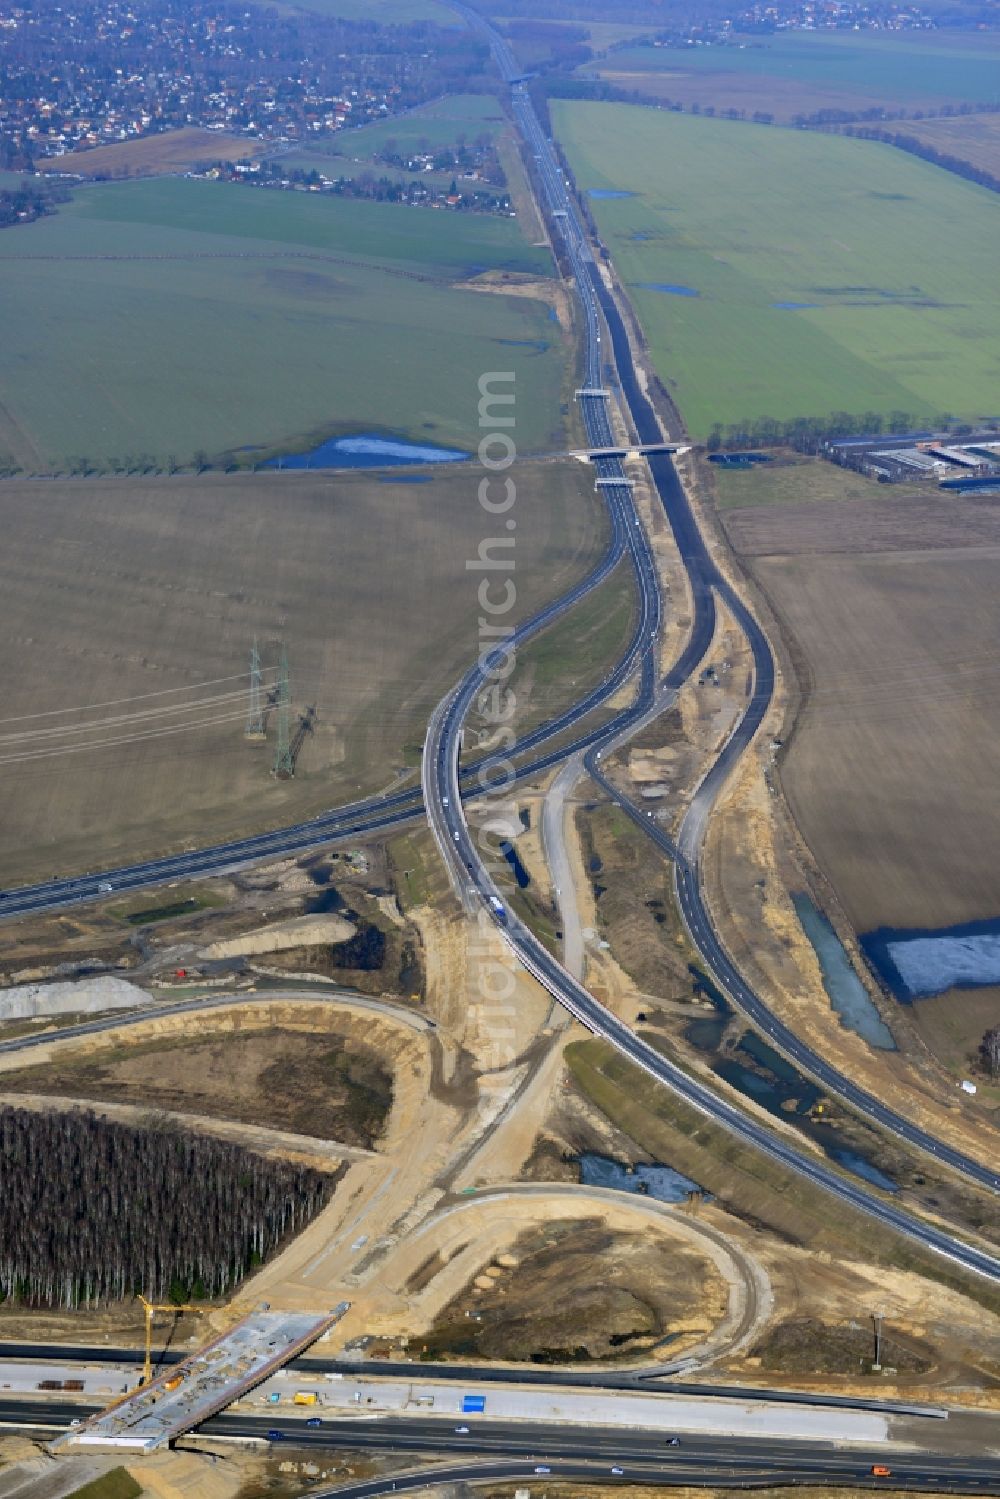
{"points": [[670, 288], [916, 964]]}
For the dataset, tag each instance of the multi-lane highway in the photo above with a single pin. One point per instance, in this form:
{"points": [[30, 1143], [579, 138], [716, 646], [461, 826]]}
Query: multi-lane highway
{"points": [[440, 768], [707, 581], [523, 1448], [476, 1376]]}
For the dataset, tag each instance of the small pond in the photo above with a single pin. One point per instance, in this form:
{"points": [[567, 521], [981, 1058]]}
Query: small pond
{"points": [[660, 1182], [513, 858], [985, 485], [759, 1072], [366, 450], [738, 460], [848, 995]]}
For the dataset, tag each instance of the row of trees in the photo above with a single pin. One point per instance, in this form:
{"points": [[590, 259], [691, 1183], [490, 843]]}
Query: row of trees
{"points": [[808, 434], [372, 188], [93, 1210], [917, 147]]}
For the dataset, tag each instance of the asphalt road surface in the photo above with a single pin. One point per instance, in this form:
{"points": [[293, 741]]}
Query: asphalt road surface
{"points": [[482, 1374], [440, 767], [522, 1447]]}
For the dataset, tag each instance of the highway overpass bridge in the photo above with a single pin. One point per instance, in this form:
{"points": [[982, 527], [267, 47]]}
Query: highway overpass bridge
{"points": [[633, 450]]}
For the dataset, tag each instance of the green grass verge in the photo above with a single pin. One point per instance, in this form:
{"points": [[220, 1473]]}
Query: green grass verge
{"points": [[797, 480], [118, 1484], [417, 870], [568, 659], [746, 1182], [890, 260], [154, 319], [165, 904]]}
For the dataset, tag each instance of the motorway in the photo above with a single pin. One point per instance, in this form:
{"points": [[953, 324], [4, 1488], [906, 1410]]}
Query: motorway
{"points": [[582, 1451], [163, 1009], [474, 1375], [440, 766]]}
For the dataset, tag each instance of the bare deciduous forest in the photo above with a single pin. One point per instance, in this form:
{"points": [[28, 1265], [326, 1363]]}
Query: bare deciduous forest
{"points": [[93, 1211]]}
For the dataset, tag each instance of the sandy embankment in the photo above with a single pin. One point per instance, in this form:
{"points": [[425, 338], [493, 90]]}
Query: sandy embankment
{"points": [[299, 931]]}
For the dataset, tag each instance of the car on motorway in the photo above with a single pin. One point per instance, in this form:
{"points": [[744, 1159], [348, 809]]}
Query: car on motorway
{"points": [[314, 1421], [879, 1470], [543, 1470], [105, 887], [274, 1435], [462, 1431], [673, 1441], [618, 1472]]}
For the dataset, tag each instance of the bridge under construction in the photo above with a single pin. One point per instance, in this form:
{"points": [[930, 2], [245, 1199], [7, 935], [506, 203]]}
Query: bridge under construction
{"points": [[634, 450]]}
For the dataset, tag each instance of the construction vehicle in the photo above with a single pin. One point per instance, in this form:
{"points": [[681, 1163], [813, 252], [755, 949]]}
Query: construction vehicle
{"points": [[304, 1397], [149, 1308]]}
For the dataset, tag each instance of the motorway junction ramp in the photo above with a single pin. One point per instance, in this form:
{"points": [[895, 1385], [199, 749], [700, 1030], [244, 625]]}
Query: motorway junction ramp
{"points": [[188, 1393]]}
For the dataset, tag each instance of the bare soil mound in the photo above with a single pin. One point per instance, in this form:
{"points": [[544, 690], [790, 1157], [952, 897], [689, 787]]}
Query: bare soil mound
{"points": [[806, 1346], [575, 1290], [309, 1084]]}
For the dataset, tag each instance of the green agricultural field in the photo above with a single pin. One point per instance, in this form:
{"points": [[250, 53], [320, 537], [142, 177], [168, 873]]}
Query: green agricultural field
{"points": [[820, 273], [386, 12], [438, 243], [896, 68], [439, 123], [429, 127], [154, 320]]}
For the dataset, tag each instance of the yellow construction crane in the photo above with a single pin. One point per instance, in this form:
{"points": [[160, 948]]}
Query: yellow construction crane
{"points": [[149, 1307]]}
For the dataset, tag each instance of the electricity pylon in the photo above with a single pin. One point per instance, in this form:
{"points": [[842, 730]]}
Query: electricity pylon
{"points": [[254, 730], [284, 764]]}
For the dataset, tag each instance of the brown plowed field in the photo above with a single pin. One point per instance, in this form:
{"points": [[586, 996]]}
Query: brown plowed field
{"points": [[155, 155], [888, 601]]}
